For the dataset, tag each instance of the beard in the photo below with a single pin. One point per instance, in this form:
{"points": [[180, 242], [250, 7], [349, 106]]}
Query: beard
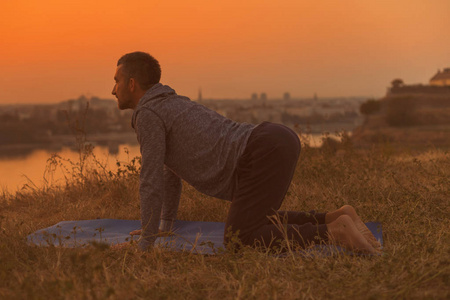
{"points": [[125, 101]]}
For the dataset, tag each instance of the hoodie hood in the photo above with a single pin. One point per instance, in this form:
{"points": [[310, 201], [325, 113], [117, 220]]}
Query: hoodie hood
{"points": [[155, 92], [158, 91]]}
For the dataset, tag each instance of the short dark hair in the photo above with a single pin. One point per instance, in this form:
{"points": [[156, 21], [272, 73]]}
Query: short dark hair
{"points": [[141, 66]]}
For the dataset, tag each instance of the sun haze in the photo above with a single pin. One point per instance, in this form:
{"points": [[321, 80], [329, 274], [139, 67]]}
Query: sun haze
{"points": [[55, 50]]}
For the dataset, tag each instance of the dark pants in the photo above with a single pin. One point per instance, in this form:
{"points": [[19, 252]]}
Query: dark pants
{"points": [[264, 173]]}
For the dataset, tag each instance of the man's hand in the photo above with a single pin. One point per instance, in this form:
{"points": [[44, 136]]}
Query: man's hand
{"points": [[136, 232], [160, 233]]}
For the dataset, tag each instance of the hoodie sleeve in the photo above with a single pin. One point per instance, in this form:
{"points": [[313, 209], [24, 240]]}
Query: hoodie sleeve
{"points": [[151, 136], [172, 194]]}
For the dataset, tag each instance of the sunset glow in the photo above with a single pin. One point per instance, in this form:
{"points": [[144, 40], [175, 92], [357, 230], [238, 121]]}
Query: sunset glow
{"points": [[55, 50]]}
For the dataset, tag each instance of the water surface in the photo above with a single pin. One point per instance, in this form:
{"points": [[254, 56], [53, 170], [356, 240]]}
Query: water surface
{"points": [[32, 169]]}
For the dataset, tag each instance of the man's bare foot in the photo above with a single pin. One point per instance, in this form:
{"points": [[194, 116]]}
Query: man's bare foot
{"points": [[343, 232], [367, 234], [351, 212]]}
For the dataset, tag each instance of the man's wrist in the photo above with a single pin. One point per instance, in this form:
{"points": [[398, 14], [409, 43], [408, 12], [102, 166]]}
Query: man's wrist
{"points": [[165, 225]]}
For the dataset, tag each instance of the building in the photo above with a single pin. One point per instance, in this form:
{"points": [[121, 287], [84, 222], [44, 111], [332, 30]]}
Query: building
{"points": [[263, 97], [439, 84], [441, 78], [200, 97]]}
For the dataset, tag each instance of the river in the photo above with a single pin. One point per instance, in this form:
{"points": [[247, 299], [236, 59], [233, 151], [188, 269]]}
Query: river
{"points": [[30, 169], [15, 172]]}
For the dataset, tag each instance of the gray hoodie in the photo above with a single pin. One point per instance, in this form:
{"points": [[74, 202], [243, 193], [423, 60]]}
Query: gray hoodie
{"points": [[181, 139]]}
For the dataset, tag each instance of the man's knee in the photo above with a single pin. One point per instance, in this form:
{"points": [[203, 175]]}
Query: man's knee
{"points": [[287, 142]]}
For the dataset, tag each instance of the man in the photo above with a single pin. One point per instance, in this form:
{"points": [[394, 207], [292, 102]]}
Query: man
{"points": [[251, 166]]}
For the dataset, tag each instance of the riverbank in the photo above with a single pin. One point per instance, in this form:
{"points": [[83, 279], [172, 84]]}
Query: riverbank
{"points": [[56, 143], [37, 167]]}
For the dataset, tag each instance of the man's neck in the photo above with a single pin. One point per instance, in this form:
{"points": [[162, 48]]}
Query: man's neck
{"points": [[138, 94]]}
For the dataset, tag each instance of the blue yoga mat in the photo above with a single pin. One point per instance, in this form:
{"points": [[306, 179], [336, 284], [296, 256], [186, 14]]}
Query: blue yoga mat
{"points": [[196, 237]]}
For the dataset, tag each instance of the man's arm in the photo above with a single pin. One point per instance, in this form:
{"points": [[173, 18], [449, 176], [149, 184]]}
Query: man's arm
{"points": [[151, 135], [172, 193]]}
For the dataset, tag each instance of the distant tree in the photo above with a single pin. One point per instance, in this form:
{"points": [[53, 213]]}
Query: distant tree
{"points": [[396, 83], [369, 107]]}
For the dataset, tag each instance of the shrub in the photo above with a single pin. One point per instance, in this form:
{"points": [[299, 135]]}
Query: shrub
{"points": [[369, 107]]}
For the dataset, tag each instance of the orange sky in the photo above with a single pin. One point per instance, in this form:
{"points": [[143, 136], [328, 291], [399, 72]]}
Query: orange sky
{"points": [[53, 50]]}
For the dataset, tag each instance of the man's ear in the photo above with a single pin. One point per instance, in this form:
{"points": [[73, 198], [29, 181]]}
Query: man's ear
{"points": [[132, 84]]}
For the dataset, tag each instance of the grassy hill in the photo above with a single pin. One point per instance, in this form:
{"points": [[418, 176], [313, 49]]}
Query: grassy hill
{"points": [[408, 193]]}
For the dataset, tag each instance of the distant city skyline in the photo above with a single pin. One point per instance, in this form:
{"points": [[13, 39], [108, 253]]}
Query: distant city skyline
{"points": [[282, 97], [57, 50]]}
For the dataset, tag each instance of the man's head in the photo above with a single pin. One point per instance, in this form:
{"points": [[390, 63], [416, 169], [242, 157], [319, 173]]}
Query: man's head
{"points": [[136, 72]]}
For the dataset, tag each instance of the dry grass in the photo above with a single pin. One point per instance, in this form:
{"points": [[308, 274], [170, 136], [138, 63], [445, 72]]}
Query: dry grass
{"points": [[408, 192]]}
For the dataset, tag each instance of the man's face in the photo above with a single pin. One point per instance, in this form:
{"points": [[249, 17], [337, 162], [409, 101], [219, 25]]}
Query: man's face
{"points": [[122, 90]]}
